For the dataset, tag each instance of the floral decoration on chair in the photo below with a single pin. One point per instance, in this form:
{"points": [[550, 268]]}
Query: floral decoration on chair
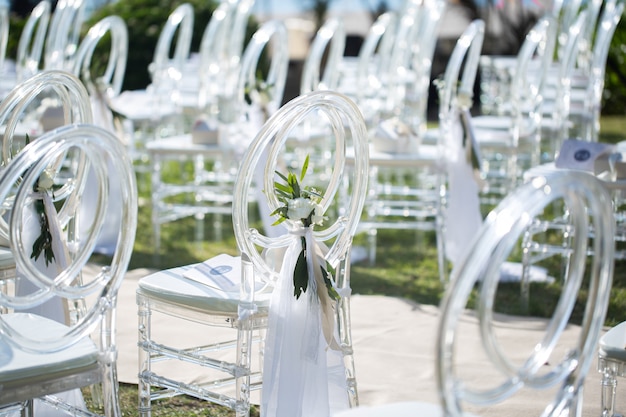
{"points": [[301, 204], [50, 241]]}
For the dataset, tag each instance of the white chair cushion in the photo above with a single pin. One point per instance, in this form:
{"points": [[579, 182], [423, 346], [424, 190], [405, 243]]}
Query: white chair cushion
{"points": [[25, 368], [172, 286], [613, 343], [7, 261]]}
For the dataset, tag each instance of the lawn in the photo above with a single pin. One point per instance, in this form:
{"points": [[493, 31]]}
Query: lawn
{"points": [[405, 267]]}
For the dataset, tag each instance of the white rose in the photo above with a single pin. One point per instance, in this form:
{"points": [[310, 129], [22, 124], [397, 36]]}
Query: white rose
{"points": [[46, 180], [318, 215], [299, 208], [464, 101]]}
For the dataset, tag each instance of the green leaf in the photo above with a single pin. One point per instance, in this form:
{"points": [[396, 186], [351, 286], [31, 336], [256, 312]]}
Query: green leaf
{"points": [[300, 276], [295, 187], [282, 176], [332, 292], [305, 167], [279, 221], [282, 188]]}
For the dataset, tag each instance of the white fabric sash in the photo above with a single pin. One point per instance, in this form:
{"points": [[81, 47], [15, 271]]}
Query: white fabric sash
{"points": [[303, 371], [463, 217], [53, 308]]}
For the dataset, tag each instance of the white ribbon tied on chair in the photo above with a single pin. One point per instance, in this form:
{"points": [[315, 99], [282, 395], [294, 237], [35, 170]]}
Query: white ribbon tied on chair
{"points": [[463, 217], [54, 308], [303, 372]]}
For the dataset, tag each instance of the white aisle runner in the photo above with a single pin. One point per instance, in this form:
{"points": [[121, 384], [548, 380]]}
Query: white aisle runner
{"points": [[393, 350]]}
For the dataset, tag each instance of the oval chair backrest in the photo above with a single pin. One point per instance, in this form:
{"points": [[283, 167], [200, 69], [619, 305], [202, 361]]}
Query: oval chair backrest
{"points": [[466, 54], [426, 37], [212, 53], [4, 33], [179, 21], [30, 48], [589, 206], [63, 34], [375, 51], [611, 15], [347, 126], [74, 101], [331, 38], [102, 151], [276, 79], [585, 43], [527, 82], [565, 13], [566, 68], [71, 93], [239, 23], [113, 77]]}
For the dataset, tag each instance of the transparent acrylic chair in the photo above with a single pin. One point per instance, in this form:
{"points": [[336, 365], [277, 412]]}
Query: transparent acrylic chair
{"points": [[215, 164], [408, 180], [362, 78], [31, 45], [156, 111], [587, 99], [18, 111], [220, 54], [547, 363], [63, 34], [16, 120], [322, 65], [58, 332], [242, 312], [109, 83], [611, 364], [556, 124], [510, 143]]}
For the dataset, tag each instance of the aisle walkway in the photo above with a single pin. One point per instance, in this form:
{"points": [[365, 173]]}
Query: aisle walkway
{"points": [[393, 344]]}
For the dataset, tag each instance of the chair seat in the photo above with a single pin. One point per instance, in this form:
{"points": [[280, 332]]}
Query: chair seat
{"points": [[172, 286], [426, 154], [138, 105], [7, 261], [19, 368], [613, 343]]}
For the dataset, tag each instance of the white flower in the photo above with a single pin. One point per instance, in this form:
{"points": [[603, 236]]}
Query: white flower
{"points": [[300, 208], [464, 100], [318, 215], [46, 180]]}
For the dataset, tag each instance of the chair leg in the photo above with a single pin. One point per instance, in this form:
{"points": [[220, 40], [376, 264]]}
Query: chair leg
{"points": [[242, 381], [144, 315], [609, 388]]}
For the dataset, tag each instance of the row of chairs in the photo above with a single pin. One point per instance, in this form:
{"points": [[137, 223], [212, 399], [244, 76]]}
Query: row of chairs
{"points": [[170, 292]]}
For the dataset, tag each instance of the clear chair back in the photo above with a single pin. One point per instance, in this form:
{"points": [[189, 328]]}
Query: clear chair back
{"points": [[110, 82], [268, 93], [65, 92], [31, 45], [589, 205], [53, 156], [64, 34], [458, 87], [165, 70], [330, 37], [266, 152]]}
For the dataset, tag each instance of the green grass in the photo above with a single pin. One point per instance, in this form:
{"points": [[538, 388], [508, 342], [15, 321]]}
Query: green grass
{"points": [[406, 267]]}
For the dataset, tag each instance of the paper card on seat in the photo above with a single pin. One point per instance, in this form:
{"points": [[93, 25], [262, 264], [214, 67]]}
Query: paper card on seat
{"points": [[582, 155], [222, 272]]}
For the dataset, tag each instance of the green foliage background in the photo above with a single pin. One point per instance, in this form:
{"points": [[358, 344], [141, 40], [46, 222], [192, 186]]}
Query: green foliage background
{"points": [[146, 17]]}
